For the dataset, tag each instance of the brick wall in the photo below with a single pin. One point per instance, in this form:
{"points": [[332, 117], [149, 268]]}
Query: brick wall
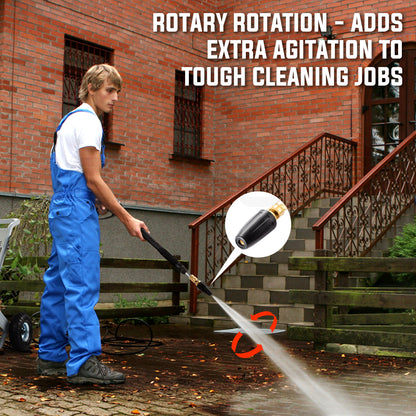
{"points": [[269, 123], [246, 130]]}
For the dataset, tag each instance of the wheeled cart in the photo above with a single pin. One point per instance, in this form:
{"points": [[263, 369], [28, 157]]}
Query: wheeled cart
{"points": [[20, 327]]}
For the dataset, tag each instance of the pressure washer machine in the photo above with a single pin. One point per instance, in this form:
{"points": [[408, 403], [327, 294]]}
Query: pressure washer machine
{"points": [[20, 327]]}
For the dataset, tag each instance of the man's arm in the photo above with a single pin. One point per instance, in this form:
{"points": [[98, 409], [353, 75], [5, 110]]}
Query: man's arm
{"points": [[91, 166]]}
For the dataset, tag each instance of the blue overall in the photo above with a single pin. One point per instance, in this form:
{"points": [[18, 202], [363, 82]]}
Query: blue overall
{"points": [[72, 281]]}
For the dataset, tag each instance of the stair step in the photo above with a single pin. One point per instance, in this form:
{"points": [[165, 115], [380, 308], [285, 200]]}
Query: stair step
{"points": [[285, 313], [315, 211], [305, 234], [252, 269], [264, 283], [325, 202], [303, 253], [299, 282], [216, 322], [298, 245], [281, 256]]}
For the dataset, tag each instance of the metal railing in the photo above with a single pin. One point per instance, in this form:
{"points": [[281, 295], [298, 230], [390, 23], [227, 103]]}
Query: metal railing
{"points": [[322, 167], [353, 226]]}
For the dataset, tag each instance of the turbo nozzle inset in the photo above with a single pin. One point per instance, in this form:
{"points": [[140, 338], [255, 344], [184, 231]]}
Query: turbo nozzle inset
{"points": [[261, 224]]}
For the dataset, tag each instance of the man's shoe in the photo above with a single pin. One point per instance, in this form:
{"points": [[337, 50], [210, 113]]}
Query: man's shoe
{"points": [[50, 368], [94, 371]]}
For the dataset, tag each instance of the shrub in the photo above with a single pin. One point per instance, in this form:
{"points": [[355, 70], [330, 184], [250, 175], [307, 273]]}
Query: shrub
{"points": [[404, 245], [31, 238], [140, 302]]}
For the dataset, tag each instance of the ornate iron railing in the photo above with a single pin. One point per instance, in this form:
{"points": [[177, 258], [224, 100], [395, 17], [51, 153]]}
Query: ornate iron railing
{"points": [[363, 215], [322, 167]]}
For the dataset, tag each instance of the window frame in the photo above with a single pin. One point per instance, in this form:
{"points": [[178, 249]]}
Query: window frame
{"points": [[188, 119], [79, 56], [406, 101]]}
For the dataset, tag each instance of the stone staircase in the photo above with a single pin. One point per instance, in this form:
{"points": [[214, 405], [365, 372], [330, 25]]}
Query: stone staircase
{"points": [[263, 284]]}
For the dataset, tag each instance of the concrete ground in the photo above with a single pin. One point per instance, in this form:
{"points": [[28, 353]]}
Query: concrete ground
{"points": [[193, 371]]}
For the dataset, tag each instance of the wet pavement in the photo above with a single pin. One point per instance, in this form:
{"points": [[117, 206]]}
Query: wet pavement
{"points": [[193, 371]]}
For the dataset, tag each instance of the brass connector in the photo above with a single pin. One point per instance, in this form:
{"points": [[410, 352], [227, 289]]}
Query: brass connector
{"points": [[278, 209], [194, 279]]}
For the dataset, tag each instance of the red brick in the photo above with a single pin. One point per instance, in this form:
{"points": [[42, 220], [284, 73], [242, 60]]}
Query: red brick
{"points": [[246, 130]]}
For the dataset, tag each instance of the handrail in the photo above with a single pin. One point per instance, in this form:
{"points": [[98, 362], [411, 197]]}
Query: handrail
{"points": [[269, 172], [323, 166], [368, 210]]}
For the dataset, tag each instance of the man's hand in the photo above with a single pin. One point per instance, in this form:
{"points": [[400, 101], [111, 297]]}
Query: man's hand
{"points": [[134, 227], [100, 207]]}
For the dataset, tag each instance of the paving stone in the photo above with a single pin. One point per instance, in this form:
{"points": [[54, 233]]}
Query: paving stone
{"points": [[194, 372]]}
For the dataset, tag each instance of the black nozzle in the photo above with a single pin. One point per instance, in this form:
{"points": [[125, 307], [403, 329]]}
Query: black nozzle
{"points": [[255, 229], [204, 288]]}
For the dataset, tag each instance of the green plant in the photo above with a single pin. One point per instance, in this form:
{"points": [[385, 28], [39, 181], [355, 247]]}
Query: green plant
{"points": [[404, 245], [31, 238], [140, 302]]}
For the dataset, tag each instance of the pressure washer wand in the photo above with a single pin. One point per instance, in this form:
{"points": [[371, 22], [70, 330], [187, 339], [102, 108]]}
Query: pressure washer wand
{"points": [[177, 265]]}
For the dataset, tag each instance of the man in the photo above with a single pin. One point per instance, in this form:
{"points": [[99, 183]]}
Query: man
{"points": [[72, 280]]}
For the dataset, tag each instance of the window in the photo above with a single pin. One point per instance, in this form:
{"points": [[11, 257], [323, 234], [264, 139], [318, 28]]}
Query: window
{"points": [[79, 56], [188, 118], [390, 111]]}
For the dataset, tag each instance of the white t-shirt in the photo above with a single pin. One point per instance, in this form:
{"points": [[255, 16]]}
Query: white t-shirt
{"points": [[79, 130]]}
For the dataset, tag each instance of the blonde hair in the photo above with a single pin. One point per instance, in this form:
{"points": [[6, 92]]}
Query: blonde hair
{"points": [[96, 76]]}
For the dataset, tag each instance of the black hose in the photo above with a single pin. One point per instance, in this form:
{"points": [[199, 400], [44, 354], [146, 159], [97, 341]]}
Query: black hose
{"points": [[120, 341]]}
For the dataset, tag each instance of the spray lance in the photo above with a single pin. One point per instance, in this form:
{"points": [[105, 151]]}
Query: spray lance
{"points": [[177, 265]]}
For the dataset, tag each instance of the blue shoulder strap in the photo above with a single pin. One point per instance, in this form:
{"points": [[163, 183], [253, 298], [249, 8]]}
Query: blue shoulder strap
{"points": [[79, 110], [84, 110]]}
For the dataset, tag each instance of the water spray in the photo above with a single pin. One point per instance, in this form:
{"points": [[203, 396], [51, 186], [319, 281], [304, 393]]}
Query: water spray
{"points": [[261, 224], [177, 265]]}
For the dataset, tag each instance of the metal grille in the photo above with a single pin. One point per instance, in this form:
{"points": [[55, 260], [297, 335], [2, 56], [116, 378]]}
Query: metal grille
{"points": [[371, 208], [79, 56], [188, 116], [322, 167]]}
